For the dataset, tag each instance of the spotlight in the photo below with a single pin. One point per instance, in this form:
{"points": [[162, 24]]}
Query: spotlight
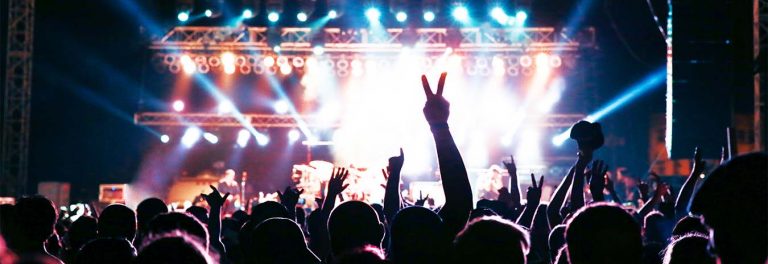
{"points": [[262, 139], [183, 16], [247, 13], [372, 14], [332, 14], [191, 136], [401, 16], [273, 17], [301, 16], [281, 107], [165, 138], [208, 13], [542, 60], [286, 69], [228, 61], [461, 14], [521, 16], [318, 50], [293, 135], [269, 61], [429, 16], [277, 49], [213, 139], [178, 105], [242, 137], [226, 107], [499, 15], [188, 65]]}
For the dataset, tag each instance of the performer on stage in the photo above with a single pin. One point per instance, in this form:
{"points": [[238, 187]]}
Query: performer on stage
{"points": [[489, 183], [228, 184]]}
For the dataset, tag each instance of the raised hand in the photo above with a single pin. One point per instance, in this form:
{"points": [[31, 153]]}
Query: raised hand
{"points": [[290, 197], [534, 191], [514, 192], [698, 164], [422, 199], [336, 183], [436, 110], [644, 189], [661, 191], [215, 199], [396, 163], [597, 179]]}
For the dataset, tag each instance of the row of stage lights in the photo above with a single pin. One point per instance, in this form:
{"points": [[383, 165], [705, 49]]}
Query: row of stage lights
{"points": [[193, 135], [281, 107], [230, 63], [459, 13]]}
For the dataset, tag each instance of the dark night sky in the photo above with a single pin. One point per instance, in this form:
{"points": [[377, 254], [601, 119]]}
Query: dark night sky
{"points": [[88, 65]]}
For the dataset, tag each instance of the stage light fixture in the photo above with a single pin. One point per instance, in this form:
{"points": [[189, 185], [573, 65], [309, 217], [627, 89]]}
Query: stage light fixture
{"points": [[183, 16], [211, 138], [373, 14], [269, 61], [332, 14], [188, 65], [401, 16], [226, 107], [318, 50], [262, 139], [286, 69], [499, 15], [301, 16], [429, 16], [461, 14], [542, 60], [208, 13], [191, 136], [228, 62], [293, 135], [520, 17], [277, 49], [165, 138], [281, 107], [242, 137], [273, 17], [247, 13], [178, 105]]}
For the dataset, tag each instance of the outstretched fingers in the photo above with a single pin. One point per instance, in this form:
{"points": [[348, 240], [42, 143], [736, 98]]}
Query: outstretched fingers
{"points": [[425, 85], [541, 182], [441, 84]]}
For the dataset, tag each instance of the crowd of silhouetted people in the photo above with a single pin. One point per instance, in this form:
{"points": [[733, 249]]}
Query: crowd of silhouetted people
{"points": [[722, 218]]}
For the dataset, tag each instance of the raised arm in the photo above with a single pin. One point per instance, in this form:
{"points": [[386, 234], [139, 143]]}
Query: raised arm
{"points": [[514, 187], [335, 187], [684, 196], [289, 198], [577, 188], [612, 190], [597, 180], [534, 197], [558, 199], [392, 201], [215, 201], [648, 206], [458, 195]]}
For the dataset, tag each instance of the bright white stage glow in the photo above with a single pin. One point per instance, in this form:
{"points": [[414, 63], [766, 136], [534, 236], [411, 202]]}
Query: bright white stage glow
{"points": [[318, 50], [208, 13], [178, 105], [262, 139], [529, 149], [461, 14], [183, 16], [499, 15], [429, 16], [520, 17], [301, 16], [401, 16], [226, 107], [332, 14], [242, 137], [273, 17], [211, 138], [228, 62], [247, 13], [293, 135], [373, 15], [269, 61], [281, 107], [188, 65], [285, 69], [165, 138], [191, 136]]}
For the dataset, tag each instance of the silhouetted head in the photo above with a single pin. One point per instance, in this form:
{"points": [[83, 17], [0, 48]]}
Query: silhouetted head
{"points": [[106, 250], [657, 228], [732, 203], [118, 221], [280, 240], [362, 255], [491, 239], [379, 211], [603, 233], [148, 209], [267, 210], [418, 236], [354, 224], [481, 212], [173, 248], [173, 221], [81, 231], [241, 216], [35, 220], [201, 214], [689, 224], [688, 249], [556, 240]]}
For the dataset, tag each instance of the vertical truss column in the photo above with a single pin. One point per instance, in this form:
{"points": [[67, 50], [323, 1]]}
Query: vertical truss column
{"points": [[17, 98], [760, 38]]}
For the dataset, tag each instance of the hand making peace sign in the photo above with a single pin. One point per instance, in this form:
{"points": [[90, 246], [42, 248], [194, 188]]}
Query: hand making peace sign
{"points": [[436, 110]]}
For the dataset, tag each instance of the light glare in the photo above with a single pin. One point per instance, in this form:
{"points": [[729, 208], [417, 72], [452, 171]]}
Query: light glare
{"points": [[301, 16], [429, 16], [401, 16], [273, 17], [373, 14], [461, 14], [178, 105]]}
